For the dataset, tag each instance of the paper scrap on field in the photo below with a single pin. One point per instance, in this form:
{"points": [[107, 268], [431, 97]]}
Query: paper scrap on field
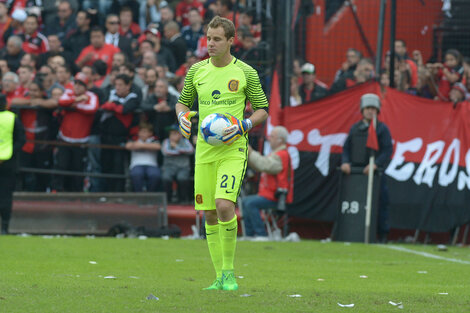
{"points": [[295, 296], [110, 277], [92, 262], [245, 295], [346, 305], [398, 305], [363, 276], [152, 297]]}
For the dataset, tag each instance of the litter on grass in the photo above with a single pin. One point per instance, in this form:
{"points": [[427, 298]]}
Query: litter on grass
{"points": [[295, 296], [110, 277], [245, 295], [92, 262], [398, 305], [135, 277], [179, 260], [320, 279], [422, 272], [443, 293], [152, 297], [363, 276], [241, 277], [346, 305]]}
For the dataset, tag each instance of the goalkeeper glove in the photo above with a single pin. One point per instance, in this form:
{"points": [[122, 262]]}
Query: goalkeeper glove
{"points": [[184, 119], [238, 129]]}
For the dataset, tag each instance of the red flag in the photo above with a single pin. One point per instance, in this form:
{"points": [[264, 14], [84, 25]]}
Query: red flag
{"points": [[275, 101], [372, 141]]}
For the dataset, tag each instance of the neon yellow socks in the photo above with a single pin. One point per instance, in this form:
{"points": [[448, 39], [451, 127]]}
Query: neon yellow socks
{"points": [[215, 247], [228, 239]]}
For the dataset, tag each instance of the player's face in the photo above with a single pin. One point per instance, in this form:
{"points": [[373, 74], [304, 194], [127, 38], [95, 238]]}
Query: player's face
{"points": [[217, 44]]}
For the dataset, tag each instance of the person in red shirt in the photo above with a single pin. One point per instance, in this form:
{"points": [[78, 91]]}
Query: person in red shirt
{"points": [[127, 27], [182, 10], [33, 41], [277, 176], [80, 106], [98, 50]]}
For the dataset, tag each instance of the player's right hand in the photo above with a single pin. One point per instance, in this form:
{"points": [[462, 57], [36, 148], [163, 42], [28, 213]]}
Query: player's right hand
{"points": [[184, 119]]}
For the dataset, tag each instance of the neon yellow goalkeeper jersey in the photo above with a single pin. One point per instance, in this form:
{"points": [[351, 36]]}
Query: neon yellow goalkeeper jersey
{"points": [[222, 90]]}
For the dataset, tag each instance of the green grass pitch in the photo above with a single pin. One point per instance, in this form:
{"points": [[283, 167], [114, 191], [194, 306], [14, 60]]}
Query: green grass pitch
{"points": [[55, 275]]}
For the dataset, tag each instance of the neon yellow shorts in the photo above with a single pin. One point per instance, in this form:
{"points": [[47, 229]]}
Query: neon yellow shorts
{"points": [[218, 180]]}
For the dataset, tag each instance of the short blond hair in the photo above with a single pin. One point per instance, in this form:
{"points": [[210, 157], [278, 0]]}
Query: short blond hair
{"points": [[226, 24]]}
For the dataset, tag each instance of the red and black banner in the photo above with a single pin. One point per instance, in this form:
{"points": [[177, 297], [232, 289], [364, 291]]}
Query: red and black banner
{"points": [[428, 176]]}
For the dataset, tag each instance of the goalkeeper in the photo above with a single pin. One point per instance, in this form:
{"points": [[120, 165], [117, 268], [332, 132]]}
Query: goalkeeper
{"points": [[222, 84]]}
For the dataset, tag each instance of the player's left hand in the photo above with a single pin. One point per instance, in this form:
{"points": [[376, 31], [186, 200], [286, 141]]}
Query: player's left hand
{"points": [[238, 129]]}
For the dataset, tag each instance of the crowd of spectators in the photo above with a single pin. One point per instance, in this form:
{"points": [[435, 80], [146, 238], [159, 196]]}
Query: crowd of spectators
{"points": [[447, 81], [95, 84]]}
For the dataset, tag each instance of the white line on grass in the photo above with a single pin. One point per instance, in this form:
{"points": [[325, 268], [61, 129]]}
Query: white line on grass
{"points": [[425, 254]]}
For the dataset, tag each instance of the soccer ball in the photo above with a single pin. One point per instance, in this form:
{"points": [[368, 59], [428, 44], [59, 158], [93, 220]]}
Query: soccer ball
{"points": [[212, 127]]}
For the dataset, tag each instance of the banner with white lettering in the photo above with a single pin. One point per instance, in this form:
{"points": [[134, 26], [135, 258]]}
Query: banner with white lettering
{"points": [[428, 176]]}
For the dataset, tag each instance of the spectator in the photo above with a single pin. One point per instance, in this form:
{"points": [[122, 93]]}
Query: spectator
{"points": [[98, 50], [446, 74], [25, 76], [177, 44], [277, 176], [113, 37], [193, 31], [128, 28], [162, 107], [167, 15], [144, 171], [98, 70], [129, 69], [150, 82], [56, 61], [30, 60], [119, 59], [163, 72], [184, 7], [33, 41], [115, 126], [37, 121], [64, 22], [401, 53], [364, 72], [13, 52], [76, 124], [176, 151], [458, 93], [191, 59], [4, 68], [16, 27], [311, 89], [55, 49], [246, 20], [355, 154], [295, 98], [10, 89], [79, 37], [149, 13], [224, 9], [353, 56], [5, 22], [149, 59], [49, 79], [150, 41], [63, 77]]}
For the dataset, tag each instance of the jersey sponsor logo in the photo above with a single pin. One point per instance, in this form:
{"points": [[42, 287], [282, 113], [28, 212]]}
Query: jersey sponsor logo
{"points": [[233, 85], [216, 94], [199, 199]]}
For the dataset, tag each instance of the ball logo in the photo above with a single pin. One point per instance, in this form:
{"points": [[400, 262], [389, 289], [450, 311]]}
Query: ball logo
{"points": [[199, 199], [233, 85], [216, 94]]}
